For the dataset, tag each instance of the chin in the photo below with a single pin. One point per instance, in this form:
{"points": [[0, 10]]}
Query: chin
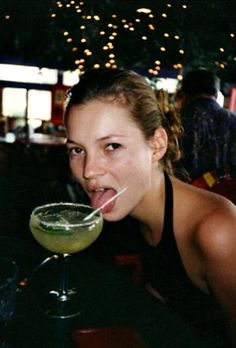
{"points": [[111, 217]]}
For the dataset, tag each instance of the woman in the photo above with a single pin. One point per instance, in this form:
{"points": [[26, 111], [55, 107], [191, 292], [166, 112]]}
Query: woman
{"points": [[117, 137]]}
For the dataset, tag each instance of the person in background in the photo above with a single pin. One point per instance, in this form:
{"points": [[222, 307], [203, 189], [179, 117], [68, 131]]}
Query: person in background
{"points": [[118, 137], [209, 138]]}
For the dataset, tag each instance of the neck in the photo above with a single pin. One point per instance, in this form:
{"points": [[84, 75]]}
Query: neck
{"points": [[189, 99], [150, 211], [152, 235]]}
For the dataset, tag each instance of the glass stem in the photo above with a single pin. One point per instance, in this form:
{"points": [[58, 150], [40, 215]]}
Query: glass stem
{"points": [[63, 290]]}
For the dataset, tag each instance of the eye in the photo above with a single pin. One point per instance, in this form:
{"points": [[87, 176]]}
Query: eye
{"points": [[74, 151], [112, 146]]}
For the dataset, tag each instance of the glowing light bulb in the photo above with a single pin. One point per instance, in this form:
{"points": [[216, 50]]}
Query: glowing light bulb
{"points": [[144, 10]]}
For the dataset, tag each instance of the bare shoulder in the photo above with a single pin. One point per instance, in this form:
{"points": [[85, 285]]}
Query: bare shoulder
{"points": [[214, 245], [210, 218], [215, 233], [205, 225], [216, 228]]}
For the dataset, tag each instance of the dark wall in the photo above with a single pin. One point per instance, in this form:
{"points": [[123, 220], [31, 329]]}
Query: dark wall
{"points": [[30, 175]]}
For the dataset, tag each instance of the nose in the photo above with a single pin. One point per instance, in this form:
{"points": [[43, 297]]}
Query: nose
{"points": [[93, 166]]}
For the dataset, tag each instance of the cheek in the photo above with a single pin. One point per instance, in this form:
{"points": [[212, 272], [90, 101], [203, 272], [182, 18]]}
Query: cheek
{"points": [[137, 170], [76, 169]]}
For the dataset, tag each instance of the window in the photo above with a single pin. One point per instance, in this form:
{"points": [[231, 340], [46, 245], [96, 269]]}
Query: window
{"points": [[28, 74], [70, 78], [39, 104], [14, 102]]}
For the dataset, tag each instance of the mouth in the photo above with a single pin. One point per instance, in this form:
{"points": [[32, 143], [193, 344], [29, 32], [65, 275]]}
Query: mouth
{"points": [[100, 196]]}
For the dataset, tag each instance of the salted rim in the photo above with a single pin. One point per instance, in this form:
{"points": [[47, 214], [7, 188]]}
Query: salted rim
{"points": [[65, 225]]}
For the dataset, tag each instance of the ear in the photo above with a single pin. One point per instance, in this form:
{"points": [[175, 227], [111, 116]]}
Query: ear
{"points": [[159, 144]]}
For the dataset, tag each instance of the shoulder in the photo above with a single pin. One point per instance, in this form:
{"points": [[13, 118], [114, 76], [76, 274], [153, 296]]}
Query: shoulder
{"points": [[215, 245], [215, 216], [205, 231], [210, 220], [215, 233], [213, 238]]}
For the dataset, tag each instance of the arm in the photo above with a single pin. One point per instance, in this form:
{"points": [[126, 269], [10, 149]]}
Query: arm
{"points": [[217, 242]]}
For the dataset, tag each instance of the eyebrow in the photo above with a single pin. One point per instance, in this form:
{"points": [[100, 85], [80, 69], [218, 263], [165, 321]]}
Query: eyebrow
{"points": [[112, 136], [70, 141], [107, 137]]}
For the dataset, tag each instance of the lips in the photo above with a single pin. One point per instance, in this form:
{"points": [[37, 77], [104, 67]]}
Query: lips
{"points": [[100, 196]]}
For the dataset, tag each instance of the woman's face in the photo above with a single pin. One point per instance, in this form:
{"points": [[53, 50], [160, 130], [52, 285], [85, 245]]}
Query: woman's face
{"points": [[107, 151]]}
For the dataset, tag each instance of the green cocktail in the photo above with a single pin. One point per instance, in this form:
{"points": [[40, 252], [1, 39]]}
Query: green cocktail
{"points": [[60, 228]]}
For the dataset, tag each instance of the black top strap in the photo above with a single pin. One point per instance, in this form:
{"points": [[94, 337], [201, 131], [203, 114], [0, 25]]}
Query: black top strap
{"points": [[168, 218]]}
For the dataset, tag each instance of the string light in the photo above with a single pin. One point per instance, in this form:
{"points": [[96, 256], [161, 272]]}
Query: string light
{"points": [[144, 10], [110, 45], [100, 33]]}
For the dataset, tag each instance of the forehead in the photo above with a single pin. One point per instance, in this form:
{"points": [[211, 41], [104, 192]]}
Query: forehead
{"points": [[99, 118], [101, 111]]}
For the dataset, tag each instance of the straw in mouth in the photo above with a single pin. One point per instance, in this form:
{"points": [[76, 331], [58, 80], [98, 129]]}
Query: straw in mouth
{"points": [[103, 205]]}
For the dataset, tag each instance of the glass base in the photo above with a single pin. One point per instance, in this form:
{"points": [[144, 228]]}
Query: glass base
{"points": [[63, 306]]}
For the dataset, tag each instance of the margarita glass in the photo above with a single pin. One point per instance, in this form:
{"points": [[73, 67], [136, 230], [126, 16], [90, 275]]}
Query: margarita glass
{"points": [[61, 228]]}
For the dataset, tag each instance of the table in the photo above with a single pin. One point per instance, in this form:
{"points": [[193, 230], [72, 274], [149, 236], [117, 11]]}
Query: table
{"points": [[111, 297]]}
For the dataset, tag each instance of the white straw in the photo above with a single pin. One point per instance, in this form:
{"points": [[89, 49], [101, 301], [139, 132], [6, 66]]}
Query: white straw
{"points": [[104, 204]]}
